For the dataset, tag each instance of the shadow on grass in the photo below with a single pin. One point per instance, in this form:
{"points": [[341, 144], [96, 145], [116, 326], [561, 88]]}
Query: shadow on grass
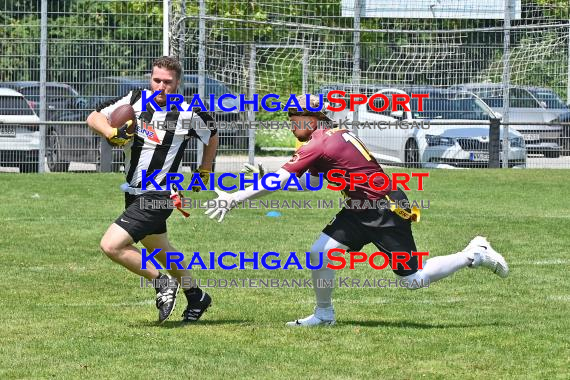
{"points": [[415, 325], [179, 324]]}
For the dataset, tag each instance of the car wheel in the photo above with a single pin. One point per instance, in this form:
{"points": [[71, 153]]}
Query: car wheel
{"points": [[53, 153], [412, 155]]}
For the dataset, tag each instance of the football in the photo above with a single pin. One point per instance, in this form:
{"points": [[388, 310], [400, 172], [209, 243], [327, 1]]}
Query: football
{"points": [[121, 115]]}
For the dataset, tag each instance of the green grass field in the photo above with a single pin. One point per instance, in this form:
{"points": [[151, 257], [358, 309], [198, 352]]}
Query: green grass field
{"points": [[69, 312]]}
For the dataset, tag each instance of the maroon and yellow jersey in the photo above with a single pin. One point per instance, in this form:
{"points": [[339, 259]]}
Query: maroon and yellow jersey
{"points": [[330, 149]]}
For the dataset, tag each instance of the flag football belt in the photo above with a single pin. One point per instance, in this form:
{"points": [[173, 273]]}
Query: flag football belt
{"points": [[413, 215], [126, 188], [175, 195]]}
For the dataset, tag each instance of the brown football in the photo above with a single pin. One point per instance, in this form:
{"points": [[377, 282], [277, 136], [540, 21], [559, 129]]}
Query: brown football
{"points": [[121, 115]]}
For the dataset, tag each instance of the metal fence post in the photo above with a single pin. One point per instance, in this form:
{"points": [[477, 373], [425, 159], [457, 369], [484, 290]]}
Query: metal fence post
{"points": [[305, 78], [165, 26], [506, 80], [356, 57], [43, 80], [251, 113], [106, 156], [201, 67], [494, 143]]}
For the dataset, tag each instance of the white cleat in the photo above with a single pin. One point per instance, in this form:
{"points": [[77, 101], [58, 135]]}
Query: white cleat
{"points": [[482, 254], [322, 317], [310, 321]]}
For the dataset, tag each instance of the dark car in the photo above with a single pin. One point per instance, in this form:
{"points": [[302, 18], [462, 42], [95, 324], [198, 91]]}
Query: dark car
{"points": [[106, 88], [60, 97]]}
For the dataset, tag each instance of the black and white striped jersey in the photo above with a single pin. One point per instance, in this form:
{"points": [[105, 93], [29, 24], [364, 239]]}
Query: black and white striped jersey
{"points": [[160, 138]]}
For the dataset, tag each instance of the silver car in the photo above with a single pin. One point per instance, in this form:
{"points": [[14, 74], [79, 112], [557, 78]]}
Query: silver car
{"points": [[525, 108], [19, 143], [407, 137]]}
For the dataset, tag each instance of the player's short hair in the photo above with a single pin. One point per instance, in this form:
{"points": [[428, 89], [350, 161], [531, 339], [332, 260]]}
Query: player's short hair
{"points": [[314, 103], [168, 63]]}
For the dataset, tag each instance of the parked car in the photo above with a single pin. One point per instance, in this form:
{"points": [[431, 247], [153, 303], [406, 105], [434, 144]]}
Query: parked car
{"points": [[565, 140], [60, 97], [19, 143], [549, 100], [105, 88], [524, 107], [366, 89], [64, 143], [433, 145]]}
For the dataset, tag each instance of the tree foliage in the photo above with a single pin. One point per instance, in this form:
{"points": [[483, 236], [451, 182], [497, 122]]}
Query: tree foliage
{"points": [[89, 39]]}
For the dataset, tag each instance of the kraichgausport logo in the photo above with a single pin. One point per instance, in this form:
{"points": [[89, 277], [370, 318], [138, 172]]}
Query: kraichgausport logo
{"points": [[269, 181], [271, 103], [273, 260]]}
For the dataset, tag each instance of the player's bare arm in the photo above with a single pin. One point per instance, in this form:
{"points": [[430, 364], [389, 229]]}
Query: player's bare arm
{"points": [[249, 170], [118, 127], [226, 201], [99, 124]]}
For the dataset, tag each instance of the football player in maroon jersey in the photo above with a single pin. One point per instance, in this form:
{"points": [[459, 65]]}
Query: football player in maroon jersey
{"points": [[352, 228]]}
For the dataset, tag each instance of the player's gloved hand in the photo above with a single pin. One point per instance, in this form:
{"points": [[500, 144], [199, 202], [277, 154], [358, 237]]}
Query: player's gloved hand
{"points": [[248, 170], [204, 175], [222, 204], [121, 136]]}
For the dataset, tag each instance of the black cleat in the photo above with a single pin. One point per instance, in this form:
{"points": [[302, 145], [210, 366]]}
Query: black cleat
{"points": [[166, 294], [198, 303]]}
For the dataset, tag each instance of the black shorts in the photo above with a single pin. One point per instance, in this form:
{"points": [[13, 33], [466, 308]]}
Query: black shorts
{"points": [[385, 229], [140, 221]]}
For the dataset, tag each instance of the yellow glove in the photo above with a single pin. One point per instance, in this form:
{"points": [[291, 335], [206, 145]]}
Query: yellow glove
{"points": [[121, 136], [204, 175]]}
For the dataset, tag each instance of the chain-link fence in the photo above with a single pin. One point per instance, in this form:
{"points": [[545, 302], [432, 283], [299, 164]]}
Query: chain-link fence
{"points": [[92, 51], [472, 58], [496, 73]]}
